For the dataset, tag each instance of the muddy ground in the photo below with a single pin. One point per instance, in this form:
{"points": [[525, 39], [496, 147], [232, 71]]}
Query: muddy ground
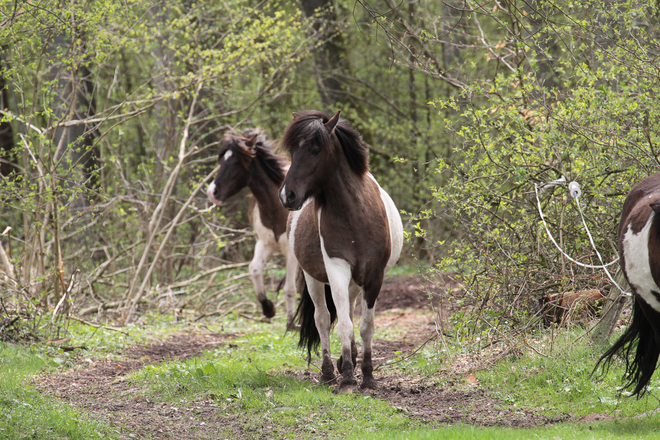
{"points": [[100, 390]]}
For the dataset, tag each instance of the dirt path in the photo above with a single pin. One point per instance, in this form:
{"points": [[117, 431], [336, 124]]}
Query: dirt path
{"points": [[100, 390]]}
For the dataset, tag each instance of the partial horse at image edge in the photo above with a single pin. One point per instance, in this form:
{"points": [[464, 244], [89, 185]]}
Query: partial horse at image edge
{"points": [[639, 252], [248, 159]]}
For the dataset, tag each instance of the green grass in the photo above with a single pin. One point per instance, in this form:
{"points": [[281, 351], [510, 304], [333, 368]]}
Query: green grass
{"points": [[556, 378], [249, 377], [26, 414], [631, 429]]}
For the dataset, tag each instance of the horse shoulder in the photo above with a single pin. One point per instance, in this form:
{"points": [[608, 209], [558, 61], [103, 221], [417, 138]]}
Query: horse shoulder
{"points": [[304, 239]]}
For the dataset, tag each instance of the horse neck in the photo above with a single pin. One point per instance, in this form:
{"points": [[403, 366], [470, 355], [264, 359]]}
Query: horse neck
{"points": [[343, 190], [264, 189]]}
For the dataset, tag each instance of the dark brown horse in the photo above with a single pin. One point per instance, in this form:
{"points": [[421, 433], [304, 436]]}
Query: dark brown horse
{"points": [[639, 252], [346, 234], [249, 160]]}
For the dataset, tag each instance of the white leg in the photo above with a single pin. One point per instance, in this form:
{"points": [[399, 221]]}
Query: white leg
{"points": [[353, 291], [290, 288], [367, 334], [339, 276], [322, 320], [261, 255]]}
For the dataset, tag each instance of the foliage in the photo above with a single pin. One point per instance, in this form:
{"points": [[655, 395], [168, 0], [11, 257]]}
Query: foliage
{"points": [[117, 110], [575, 104]]}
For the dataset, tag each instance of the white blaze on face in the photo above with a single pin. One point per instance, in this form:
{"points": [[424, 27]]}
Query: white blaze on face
{"points": [[283, 194], [210, 192], [227, 155], [638, 268]]}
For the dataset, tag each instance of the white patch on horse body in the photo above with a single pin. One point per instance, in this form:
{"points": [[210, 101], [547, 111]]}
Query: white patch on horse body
{"points": [[395, 225], [211, 193], [227, 155], [339, 277], [294, 223], [264, 234], [638, 269]]}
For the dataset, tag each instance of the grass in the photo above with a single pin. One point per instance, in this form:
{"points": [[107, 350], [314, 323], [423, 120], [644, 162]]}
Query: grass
{"points": [[249, 379], [26, 414], [645, 429]]}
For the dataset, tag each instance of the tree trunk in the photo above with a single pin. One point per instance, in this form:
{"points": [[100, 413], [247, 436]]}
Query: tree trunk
{"points": [[330, 54], [6, 132]]}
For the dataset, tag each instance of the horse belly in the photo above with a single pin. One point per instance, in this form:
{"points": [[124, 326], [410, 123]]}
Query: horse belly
{"points": [[304, 239], [637, 264]]}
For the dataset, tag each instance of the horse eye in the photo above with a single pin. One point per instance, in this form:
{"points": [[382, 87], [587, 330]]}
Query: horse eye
{"points": [[315, 151]]}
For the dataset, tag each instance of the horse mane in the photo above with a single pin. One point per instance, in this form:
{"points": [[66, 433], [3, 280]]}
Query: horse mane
{"points": [[308, 126], [263, 153]]}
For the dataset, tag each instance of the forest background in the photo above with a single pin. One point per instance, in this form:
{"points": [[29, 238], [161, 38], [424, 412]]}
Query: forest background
{"points": [[113, 112]]}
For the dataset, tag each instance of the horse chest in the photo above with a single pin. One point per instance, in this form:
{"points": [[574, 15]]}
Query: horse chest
{"points": [[304, 238]]}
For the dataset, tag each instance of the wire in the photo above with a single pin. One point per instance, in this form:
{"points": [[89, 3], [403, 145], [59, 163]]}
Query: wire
{"points": [[575, 192]]}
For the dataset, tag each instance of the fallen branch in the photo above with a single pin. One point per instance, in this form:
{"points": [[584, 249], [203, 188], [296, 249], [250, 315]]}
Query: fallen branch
{"points": [[91, 324], [96, 308]]}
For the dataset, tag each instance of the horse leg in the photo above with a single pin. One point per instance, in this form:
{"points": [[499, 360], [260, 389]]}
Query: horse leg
{"points": [[322, 319], [354, 291], [367, 334], [261, 255], [290, 289], [339, 276], [369, 295]]}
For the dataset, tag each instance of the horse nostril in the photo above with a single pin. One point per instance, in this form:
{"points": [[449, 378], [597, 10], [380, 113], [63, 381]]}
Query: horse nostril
{"points": [[290, 196]]}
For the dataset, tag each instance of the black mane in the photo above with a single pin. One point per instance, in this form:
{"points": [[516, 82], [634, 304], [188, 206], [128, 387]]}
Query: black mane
{"points": [[263, 153], [308, 127]]}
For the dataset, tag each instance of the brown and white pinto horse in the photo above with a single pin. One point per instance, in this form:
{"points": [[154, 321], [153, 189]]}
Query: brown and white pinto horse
{"points": [[346, 234], [249, 160], [639, 252]]}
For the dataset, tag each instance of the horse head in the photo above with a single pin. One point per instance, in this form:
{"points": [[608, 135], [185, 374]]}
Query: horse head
{"points": [[235, 156], [318, 146]]}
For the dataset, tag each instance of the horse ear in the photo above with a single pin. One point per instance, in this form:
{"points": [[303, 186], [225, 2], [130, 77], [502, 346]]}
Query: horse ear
{"points": [[655, 206], [332, 123], [250, 143]]}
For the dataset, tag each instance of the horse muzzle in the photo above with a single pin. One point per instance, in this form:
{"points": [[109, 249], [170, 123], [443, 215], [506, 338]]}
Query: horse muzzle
{"points": [[289, 199], [210, 192]]}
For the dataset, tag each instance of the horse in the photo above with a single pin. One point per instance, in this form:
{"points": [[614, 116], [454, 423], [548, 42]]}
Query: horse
{"points": [[248, 159], [639, 252], [346, 233]]}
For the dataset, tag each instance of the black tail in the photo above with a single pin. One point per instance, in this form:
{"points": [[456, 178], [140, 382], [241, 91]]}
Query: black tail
{"points": [[309, 334], [639, 340]]}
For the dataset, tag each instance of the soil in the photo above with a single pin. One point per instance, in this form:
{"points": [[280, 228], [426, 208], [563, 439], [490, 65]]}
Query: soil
{"points": [[101, 390]]}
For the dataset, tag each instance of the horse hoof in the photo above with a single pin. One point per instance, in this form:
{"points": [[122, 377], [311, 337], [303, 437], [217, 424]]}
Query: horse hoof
{"points": [[268, 308], [368, 383], [347, 386], [329, 379]]}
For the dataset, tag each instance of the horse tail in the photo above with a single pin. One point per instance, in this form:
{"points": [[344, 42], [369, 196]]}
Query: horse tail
{"points": [[639, 341], [309, 334]]}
